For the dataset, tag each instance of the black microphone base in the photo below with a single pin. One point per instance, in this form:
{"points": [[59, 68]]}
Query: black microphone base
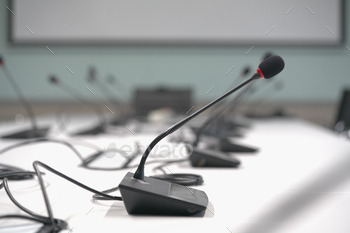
{"points": [[157, 197], [210, 158], [227, 133], [233, 125], [220, 133], [226, 146], [26, 134], [277, 113], [92, 131], [117, 121]]}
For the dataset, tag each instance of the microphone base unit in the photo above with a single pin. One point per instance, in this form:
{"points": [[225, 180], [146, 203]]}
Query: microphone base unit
{"points": [[158, 197], [277, 113], [226, 146], [221, 133], [233, 124], [210, 158], [117, 121], [92, 131], [26, 134]]}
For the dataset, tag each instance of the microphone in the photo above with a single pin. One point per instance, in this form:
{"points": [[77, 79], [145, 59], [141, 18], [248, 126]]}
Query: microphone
{"points": [[265, 56], [146, 195], [224, 126], [72, 92], [35, 131], [233, 106], [107, 94], [270, 67]]}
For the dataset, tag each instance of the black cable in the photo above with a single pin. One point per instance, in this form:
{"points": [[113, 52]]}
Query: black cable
{"points": [[48, 226], [91, 158], [99, 197], [14, 173], [85, 161], [60, 223], [50, 223], [17, 175], [41, 182], [20, 216], [129, 159], [185, 179], [43, 140], [99, 194], [7, 189]]}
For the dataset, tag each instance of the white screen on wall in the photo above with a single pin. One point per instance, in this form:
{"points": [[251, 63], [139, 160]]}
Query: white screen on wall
{"points": [[233, 22]]}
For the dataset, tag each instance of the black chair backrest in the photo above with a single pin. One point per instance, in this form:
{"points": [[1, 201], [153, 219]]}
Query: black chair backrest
{"points": [[343, 119], [145, 100]]}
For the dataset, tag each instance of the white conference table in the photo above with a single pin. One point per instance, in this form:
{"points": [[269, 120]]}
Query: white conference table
{"points": [[299, 181]]}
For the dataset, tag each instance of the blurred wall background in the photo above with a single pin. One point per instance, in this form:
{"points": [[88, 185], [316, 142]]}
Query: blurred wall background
{"points": [[313, 74]]}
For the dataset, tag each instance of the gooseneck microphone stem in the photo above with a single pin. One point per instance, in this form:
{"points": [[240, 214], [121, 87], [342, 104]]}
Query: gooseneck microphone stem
{"points": [[241, 76], [71, 91], [234, 104], [217, 112], [256, 106], [267, 69], [139, 174], [107, 94], [21, 97]]}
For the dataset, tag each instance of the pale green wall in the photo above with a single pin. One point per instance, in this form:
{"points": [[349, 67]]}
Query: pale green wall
{"points": [[312, 74]]}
